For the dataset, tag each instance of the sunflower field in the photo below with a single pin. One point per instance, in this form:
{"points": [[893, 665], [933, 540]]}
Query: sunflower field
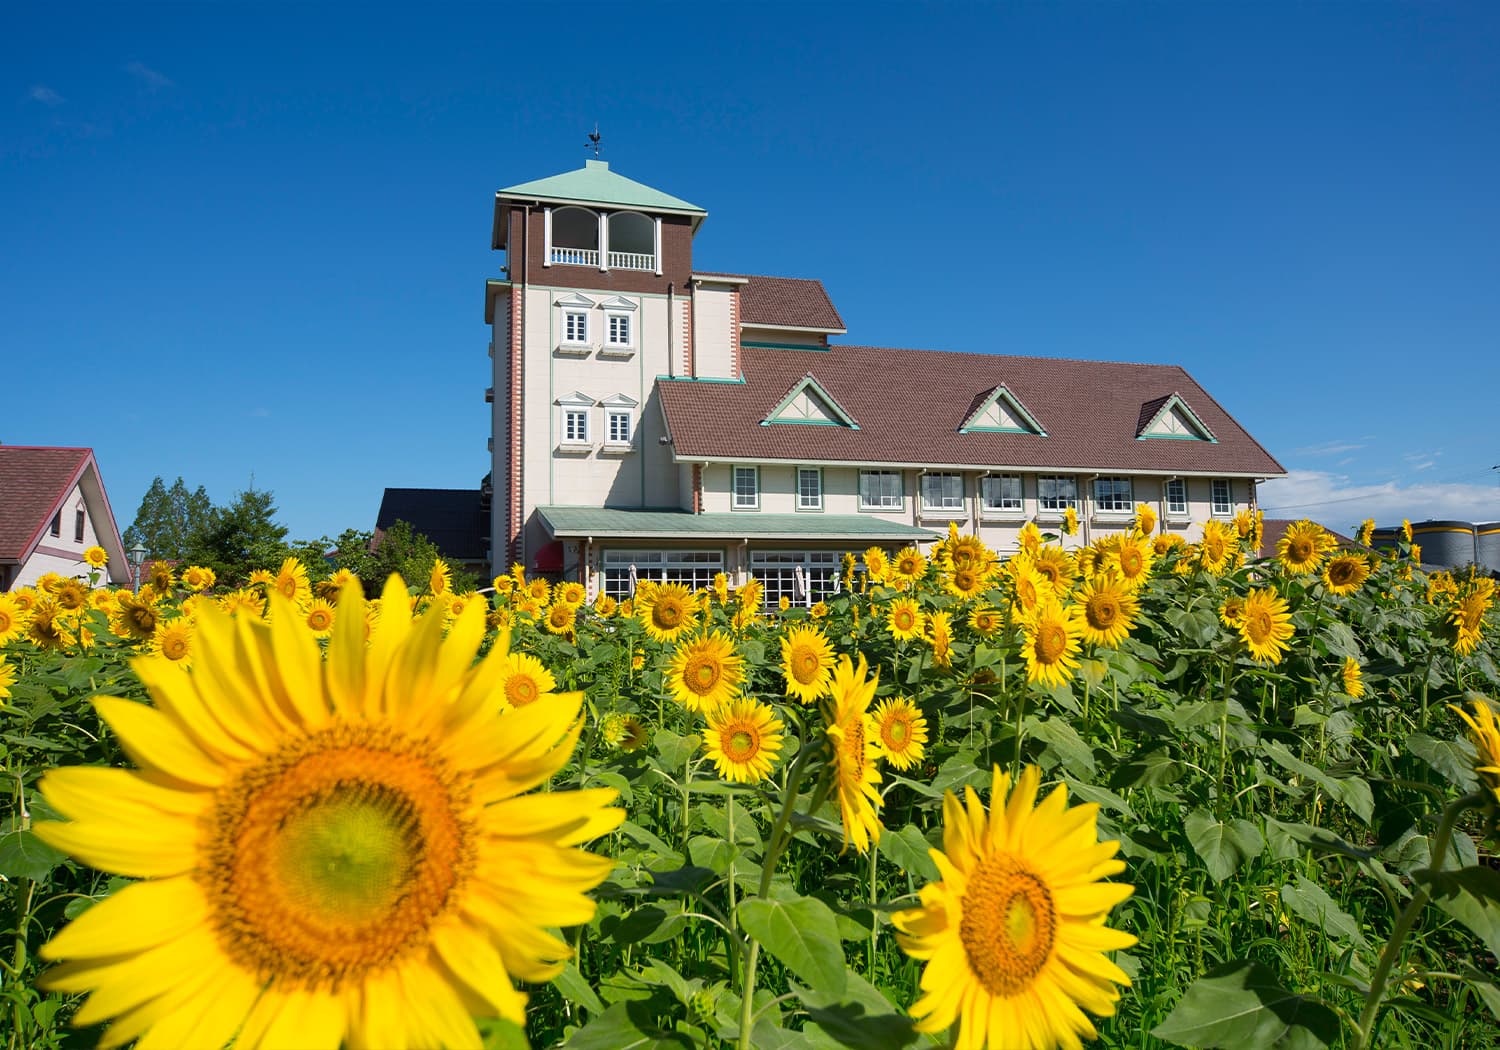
{"points": [[1140, 793]]}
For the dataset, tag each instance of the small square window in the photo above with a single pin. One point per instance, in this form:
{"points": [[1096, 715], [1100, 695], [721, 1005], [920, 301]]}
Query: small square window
{"points": [[746, 488], [1113, 495], [619, 428], [576, 426], [619, 330], [809, 488], [942, 492], [1056, 492], [1001, 492], [1222, 500], [78, 525], [880, 490], [575, 326], [1177, 502]]}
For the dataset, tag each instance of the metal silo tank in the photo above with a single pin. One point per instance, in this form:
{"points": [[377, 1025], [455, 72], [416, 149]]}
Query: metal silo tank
{"points": [[1386, 539], [1487, 545], [1446, 543]]}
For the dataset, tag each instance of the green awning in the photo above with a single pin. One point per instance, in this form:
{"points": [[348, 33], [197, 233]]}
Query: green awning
{"points": [[600, 523]]}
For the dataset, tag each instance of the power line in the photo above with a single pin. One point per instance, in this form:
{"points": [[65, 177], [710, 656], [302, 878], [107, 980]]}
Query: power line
{"points": [[1355, 499]]}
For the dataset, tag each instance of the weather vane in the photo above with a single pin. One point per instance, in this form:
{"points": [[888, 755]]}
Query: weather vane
{"points": [[594, 140]]}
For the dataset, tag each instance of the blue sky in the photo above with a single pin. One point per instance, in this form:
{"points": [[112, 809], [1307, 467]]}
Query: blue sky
{"points": [[248, 243]]}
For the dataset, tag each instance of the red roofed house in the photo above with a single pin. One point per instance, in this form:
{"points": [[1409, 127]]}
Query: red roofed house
{"points": [[53, 508], [655, 421]]}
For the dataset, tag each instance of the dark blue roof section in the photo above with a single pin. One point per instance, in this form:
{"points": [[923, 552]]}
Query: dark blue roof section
{"points": [[456, 520]]}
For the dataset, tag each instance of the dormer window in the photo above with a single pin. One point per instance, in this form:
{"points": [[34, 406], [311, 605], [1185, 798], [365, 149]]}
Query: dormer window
{"points": [[619, 423]]}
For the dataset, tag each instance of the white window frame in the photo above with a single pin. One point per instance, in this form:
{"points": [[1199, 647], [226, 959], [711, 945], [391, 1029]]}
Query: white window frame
{"points": [[1003, 505], [884, 500], [569, 336], [612, 416], [1217, 509], [737, 499], [949, 502], [1121, 494], [777, 573], [694, 569], [1176, 508], [573, 415], [810, 500], [1055, 504], [613, 318]]}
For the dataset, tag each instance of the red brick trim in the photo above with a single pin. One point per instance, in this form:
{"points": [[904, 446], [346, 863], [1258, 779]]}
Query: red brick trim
{"points": [[697, 488], [688, 363], [734, 333], [513, 500]]}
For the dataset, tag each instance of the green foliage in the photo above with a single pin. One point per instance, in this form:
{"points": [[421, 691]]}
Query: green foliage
{"points": [[241, 537], [169, 520], [402, 549]]}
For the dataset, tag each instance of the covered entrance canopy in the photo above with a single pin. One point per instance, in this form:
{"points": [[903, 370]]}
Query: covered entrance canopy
{"points": [[602, 523]]}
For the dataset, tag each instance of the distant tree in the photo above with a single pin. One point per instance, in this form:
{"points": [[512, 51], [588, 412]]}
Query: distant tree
{"points": [[168, 519], [240, 538], [401, 549]]}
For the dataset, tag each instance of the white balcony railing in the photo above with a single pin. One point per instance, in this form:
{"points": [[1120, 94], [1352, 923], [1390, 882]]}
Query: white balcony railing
{"points": [[631, 261], [576, 256]]}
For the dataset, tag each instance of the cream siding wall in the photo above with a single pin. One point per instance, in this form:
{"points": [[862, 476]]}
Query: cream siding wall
{"points": [[500, 424], [999, 529], [643, 475], [62, 554], [751, 334], [712, 332]]}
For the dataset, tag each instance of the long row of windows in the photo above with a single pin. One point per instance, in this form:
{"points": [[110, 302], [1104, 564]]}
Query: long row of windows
{"points": [[802, 577], [943, 491]]}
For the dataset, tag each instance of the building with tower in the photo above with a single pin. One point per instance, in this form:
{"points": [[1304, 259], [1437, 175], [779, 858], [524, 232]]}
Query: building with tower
{"points": [[651, 420]]}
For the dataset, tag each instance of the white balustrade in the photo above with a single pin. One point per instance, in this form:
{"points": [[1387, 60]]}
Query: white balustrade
{"points": [[631, 261], [576, 256]]}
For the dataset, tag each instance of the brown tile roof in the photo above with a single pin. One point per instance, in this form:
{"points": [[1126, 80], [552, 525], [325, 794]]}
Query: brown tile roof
{"points": [[910, 404], [33, 484], [793, 301]]}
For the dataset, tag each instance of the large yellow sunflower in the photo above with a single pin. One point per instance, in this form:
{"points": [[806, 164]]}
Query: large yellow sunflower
{"points": [[570, 592], [1013, 936], [318, 618], [1070, 521], [1050, 649], [986, 621], [807, 663], [854, 738], [1145, 519], [7, 679], [523, 680], [96, 557], [877, 565], [333, 853], [173, 640], [1346, 573], [12, 619], [1032, 587], [1266, 625], [940, 634], [900, 731], [905, 619], [1130, 554], [48, 628], [439, 577], [1060, 568], [1302, 547], [200, 577], [908, 566], [1467, 619], [1484, 732], [561, 619], [1216, 549], [705, 672], [1109, 610], [291, 582], [742, 738], [667, 610], [1352, 677]]}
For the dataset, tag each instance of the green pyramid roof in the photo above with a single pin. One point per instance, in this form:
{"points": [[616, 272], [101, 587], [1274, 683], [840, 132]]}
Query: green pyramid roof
{"points": [[594, 183]]}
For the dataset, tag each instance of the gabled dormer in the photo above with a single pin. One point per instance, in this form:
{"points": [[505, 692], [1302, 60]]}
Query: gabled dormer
{"points": [[1000, 411], [808, 403], [594, 228], [1169, 418]]}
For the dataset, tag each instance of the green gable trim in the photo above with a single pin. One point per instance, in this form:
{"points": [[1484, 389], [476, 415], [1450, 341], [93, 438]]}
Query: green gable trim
{"points": [[805, 423], [605, 523], [1175, 402], [698, 379], [808, 384], [1002, 394], [594, 183]]}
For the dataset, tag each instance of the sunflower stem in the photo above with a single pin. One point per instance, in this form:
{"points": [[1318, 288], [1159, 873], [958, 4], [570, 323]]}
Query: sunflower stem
{"points": [[774, 846], [1364, 1029]]}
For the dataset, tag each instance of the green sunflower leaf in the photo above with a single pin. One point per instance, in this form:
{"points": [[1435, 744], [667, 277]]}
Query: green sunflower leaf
{"points": [[801, 934], [1241, 1005]]}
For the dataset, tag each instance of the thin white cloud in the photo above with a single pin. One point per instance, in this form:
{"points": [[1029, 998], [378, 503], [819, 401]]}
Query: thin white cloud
{"points": [[1332, 448], [1332, 501], [45, 95], [148, 76]]}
